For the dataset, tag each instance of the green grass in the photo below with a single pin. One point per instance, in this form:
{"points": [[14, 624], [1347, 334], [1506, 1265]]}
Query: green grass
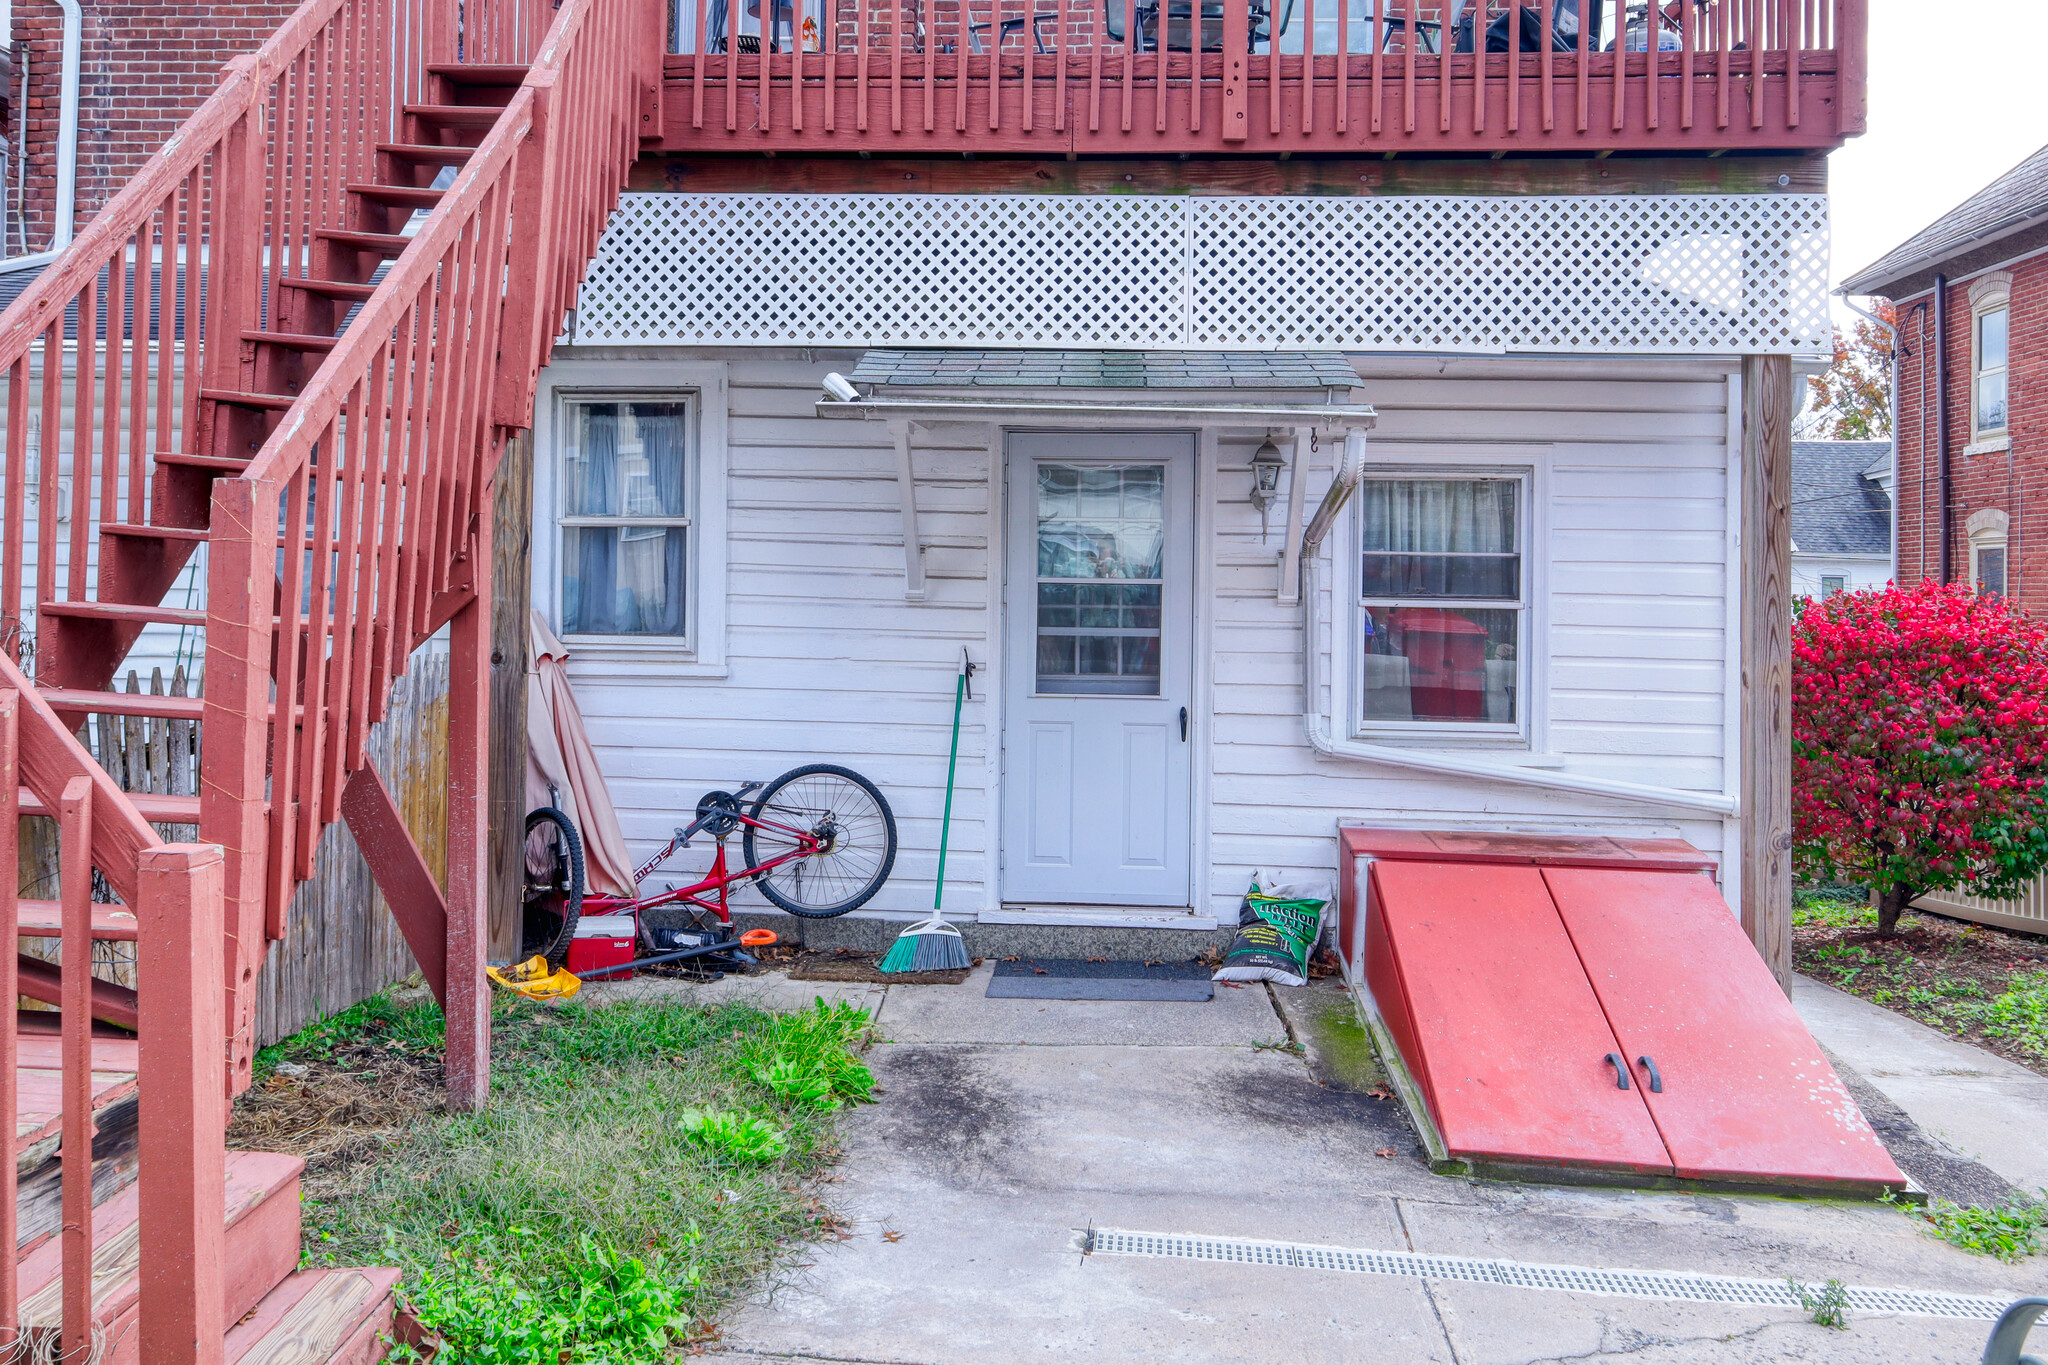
{"points": [[631, 1176], [409, 1027], [2019, 1013], [2011, 1231], [1832, 907]]}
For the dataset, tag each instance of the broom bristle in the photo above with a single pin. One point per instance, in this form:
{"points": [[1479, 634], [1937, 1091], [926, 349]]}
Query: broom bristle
{"points": [[900, 955], [926, 947], [944, 951]]}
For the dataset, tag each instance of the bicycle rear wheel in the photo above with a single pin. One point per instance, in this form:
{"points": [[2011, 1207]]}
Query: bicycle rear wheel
{"points": [[847, 814], [553, 895]]}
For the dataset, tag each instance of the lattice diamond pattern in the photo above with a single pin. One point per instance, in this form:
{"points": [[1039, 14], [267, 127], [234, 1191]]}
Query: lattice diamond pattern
{"points": [[1643, 274]]}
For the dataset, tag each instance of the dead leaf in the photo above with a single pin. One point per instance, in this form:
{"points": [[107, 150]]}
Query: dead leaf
{"points": [[1380, 1092], [1387, 1152], [892, 1236], [1098, 959], [1038, 971], [1233, 985]]}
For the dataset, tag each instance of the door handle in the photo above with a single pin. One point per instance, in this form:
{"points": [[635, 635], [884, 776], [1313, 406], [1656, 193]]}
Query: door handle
{"points": [[1656, 1081], [1183, 724], [1620, 1070]]}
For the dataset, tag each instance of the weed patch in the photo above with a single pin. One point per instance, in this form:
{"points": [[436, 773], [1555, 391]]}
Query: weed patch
{"points": [[633, 1174], [2011, 1231], [1827, 1306]]}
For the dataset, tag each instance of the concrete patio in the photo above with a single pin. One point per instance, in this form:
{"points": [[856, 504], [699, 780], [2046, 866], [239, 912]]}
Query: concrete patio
{"points": [[1007, 1128]]}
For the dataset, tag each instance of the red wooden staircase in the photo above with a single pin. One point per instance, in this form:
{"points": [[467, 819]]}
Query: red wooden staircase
{"points": [[296, 343]]}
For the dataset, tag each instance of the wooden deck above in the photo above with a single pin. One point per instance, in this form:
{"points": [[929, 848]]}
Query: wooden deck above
{"points": [[1734, 76]]}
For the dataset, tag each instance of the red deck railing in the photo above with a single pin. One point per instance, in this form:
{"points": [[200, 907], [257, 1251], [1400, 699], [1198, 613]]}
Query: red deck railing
{"points": [[1046, 76]]}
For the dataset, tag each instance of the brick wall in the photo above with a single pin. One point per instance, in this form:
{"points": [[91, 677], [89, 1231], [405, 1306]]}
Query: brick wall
{"points": [[2013, 481], [145, 65]]}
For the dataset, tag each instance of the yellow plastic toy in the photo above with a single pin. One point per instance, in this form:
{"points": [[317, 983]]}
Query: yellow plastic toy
{"points": [[535, 980]]}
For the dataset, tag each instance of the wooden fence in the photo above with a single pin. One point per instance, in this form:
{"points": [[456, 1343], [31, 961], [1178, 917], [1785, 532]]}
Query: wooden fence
{"points": [[2027, 911], [342, 943]]}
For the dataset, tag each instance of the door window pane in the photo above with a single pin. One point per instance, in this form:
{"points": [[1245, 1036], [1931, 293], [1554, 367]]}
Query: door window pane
{"points": [[1101, 547]]}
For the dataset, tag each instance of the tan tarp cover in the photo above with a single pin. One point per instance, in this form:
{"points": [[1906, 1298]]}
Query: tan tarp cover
{"points": [[558, 752]]}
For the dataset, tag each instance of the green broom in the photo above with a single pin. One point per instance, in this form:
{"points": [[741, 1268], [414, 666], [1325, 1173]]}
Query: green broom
{"points": [[932, 945]]}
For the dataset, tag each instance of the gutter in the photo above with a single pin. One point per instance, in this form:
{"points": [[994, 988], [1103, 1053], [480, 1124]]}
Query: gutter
{"points": [[1944, 484], [67, 146]]}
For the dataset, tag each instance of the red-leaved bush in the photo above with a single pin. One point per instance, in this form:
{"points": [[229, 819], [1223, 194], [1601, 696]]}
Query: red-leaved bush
{"points": [[1919, 743]]}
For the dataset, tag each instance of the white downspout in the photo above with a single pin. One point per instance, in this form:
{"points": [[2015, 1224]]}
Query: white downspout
{"points": [[67, 144], [1317, 731]]}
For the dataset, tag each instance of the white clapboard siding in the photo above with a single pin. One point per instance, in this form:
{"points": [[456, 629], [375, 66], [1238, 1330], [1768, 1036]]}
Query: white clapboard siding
{"points": [[826, 661]]}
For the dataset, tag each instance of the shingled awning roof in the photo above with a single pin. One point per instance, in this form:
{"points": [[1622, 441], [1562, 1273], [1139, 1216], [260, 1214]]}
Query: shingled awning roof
{"points": [[2007, 205], [1837, 509], [1300, 372]]}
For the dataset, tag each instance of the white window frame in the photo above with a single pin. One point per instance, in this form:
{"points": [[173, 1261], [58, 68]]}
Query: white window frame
{"points": [[1990, 294], [703, 386], [1989, 529], [1526, 732]]}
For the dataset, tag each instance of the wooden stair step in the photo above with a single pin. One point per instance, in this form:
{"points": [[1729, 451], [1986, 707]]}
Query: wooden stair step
{"points": [[426, 153], [156, 807], [331, 289], [270, 402], [138, 532], [45, 919], [400, 196], [457, 115], [261, 1217], [383, 243], [478, 73], [291, 341], [38, 1067], [215, 464], [329, 1316], [128, 613]]}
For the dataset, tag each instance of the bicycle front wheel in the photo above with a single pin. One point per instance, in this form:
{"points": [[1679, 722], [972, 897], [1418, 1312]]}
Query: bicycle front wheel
{"points": [[852, 824]]}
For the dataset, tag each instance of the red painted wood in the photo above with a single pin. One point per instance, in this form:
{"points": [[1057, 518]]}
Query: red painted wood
{"points": [[1551, 850], [10, 1042], [75, 995], [182, 1174], [401, 874], [1505, 1025], [469, 711], [1383, 977], [1747, 1094]]}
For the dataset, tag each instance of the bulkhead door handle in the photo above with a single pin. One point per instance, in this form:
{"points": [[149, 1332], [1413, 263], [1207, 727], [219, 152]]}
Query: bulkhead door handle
{"points": [[1656, 1081], [1620, 1070]]}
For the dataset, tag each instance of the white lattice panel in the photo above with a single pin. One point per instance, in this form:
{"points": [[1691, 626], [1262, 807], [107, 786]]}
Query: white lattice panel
{"points": [[1644, 274]]}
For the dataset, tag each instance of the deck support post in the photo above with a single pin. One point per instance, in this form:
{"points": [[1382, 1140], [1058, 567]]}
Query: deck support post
{"points": [[511, 629], [1766, 644], [182, 1106], [466, 998], [906, 492], [401, 874]]}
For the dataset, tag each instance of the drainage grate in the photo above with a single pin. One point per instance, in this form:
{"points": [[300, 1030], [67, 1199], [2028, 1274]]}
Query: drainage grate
{"points": [[1567, 1279]]}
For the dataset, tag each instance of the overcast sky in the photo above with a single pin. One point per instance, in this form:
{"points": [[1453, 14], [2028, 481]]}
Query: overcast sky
{"points": [[1957, 93]]}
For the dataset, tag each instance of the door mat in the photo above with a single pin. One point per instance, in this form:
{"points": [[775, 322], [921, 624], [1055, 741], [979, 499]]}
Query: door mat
{"points": [[842, 965], [1073, 978]]}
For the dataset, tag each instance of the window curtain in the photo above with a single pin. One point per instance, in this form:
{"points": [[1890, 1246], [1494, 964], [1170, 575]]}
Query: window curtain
{"points": [[589, 608], [655, 600], [1439, 516]]}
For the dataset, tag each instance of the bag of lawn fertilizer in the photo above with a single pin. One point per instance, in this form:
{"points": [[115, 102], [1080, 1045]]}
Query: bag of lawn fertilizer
{"points": [[1277, 928]]}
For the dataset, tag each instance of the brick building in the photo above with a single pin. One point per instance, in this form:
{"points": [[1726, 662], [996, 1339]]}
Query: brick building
{"points": [[144, 66], [1971, 402]]}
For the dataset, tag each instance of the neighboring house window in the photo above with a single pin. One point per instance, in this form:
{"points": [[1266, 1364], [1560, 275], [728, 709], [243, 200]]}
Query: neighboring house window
{"points": [[1831, 583], [1442, 601], [1987, 532], [1990, 354], [624, 514]]}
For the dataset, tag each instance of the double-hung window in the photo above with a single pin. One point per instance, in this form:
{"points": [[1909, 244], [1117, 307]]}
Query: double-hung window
{"points": [[624, 515], [1988, 391], [1442, 602]]}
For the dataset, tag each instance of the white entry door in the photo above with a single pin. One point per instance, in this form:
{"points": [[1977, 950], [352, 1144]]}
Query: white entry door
{"points": [[1097, 720]]}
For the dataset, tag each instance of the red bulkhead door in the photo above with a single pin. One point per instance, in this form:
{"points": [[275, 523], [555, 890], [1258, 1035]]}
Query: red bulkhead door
{"points": [[1746, 1094], [1503, 1022]]}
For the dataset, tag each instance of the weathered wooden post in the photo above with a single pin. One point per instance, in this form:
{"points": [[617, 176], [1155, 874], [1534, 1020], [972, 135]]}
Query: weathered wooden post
{"points": [[1766, 645]]}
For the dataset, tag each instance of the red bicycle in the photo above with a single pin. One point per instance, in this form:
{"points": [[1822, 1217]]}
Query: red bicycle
{"points": [[818, 841]]}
